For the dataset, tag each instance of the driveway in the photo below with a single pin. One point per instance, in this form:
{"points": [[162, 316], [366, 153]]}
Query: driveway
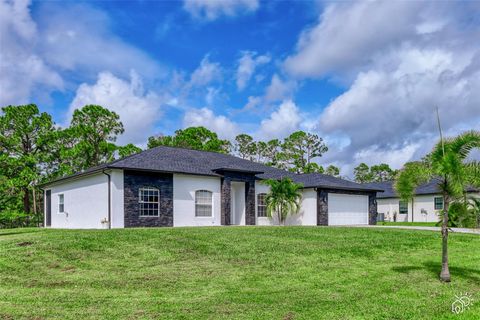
{"points": [[454, 230]]}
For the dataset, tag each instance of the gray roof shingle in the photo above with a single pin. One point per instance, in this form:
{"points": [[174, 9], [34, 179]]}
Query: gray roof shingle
{"points": [[430, 187], [179, 160]]}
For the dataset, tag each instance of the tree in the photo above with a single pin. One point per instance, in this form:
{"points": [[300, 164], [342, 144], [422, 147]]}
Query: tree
{"points": [[283, 198], [362, 173], [245, 146], [300, 148], [269, 153], [382, 172], [449, 164], [333, 171], [25, 139], [376, 173], [197, 138], [313, 167], [90, 137], [128, 150]]}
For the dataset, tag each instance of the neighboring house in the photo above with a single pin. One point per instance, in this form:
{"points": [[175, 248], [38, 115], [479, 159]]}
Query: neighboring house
{"points": [[424, 207], [167, 186]]}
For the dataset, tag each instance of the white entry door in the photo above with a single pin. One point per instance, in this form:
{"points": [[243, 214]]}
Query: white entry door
{"points": [[347, 209]]}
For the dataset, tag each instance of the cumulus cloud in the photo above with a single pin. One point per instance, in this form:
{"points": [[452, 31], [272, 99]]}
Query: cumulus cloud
{"points": [[423, 58], [279, 89], [283, 121], [224, 127], [38, 57], [138, 109], [213, 9], [246, 67], [22, 70]]}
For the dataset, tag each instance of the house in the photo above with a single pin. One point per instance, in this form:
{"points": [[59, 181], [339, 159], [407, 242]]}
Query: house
{"points": [[424, 207], [168, 186]]}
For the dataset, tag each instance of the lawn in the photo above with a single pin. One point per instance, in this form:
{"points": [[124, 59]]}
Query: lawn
{"points": [[234, 273]]}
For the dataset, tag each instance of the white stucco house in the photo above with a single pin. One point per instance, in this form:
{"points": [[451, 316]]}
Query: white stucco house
{"points": [[167, 186], [424, 207]]}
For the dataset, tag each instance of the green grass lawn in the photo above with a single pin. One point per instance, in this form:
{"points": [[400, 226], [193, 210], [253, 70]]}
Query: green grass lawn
{"points": [[417, 224], [234, 273]]}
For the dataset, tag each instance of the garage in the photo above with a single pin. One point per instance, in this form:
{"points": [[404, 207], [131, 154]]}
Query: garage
{"points": [[347, 209]]}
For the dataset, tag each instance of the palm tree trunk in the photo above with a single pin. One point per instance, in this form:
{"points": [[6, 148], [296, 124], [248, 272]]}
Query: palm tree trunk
{"points": [[445, 274]]}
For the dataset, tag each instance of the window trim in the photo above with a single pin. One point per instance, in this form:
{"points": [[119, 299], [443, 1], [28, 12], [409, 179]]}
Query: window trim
{"points": [[211, 204], [400, 205], [140, 201], [61, 203], [263, 205], [435, 205]]}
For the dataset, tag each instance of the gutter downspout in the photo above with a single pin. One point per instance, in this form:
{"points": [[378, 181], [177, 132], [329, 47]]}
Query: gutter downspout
{"points": [[109, 199]]}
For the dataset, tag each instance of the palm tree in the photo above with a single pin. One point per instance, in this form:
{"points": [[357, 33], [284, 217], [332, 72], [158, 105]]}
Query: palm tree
{"points": [[448, 163], [283, 199]]}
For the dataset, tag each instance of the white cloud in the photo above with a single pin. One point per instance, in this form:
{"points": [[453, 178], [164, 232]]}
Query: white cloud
{"points": [[213, 9], [279, 89], [349, 35], [285, 120], [138, 109], [38, 57], [22, 71], [246, 67], [206, 73], [224, 127], [422, 58]]}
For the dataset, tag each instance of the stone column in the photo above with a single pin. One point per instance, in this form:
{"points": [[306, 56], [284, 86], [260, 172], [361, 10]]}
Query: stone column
{"points": [[372, 208], [250, 202], [322, 207], [226, 199]]}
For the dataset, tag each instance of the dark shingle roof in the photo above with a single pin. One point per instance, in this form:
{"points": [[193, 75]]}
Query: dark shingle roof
{"points": [[424, 189], [179, 160]]}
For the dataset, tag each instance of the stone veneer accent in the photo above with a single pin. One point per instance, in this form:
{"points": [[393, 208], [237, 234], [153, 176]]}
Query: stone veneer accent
{"points": [[226, 189], [133, 181], [322, 205]]}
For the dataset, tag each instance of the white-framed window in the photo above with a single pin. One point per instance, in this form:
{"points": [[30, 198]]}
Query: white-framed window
{"points": [[149, 202], [438, 203], [61, 203], [203, 203], [403, 207], [261, 205]]}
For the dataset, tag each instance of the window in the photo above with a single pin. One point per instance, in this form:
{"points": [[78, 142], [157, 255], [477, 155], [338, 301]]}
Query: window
{"points": [[261, 205], [61, 205], [438, 203], [403, 207], [203, 203], [149, 202]]}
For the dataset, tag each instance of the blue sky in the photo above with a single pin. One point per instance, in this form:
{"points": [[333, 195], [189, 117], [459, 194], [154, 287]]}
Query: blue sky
{"points": [[365, 76]]}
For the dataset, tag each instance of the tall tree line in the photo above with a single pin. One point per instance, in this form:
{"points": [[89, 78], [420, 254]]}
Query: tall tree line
{"points": [[33, 150]]}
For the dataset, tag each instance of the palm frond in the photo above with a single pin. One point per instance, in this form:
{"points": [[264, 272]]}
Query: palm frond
{"points": [[410, 177], [464, 143]]}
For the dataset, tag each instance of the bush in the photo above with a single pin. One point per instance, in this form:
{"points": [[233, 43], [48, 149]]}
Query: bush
{"points": [[15, 219]]}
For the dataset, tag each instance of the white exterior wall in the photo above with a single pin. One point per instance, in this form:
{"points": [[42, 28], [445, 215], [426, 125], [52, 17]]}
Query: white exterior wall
{"points": [[425, 202], [307, 216], [85, 202], [184, 187], [117, 199]]}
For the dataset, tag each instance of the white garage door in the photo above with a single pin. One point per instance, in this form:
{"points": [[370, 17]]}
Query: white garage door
{"points": [[346, 209]]}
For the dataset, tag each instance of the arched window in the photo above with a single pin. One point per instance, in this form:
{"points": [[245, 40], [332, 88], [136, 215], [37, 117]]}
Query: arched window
{"points": [[203, 203], [261, 205], [149, 202]]}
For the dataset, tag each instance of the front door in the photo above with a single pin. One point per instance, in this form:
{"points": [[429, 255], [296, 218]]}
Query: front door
{"points": [[48, 208], [238, 203]]}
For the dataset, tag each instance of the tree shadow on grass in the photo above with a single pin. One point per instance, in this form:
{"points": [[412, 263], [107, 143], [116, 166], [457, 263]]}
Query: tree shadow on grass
{"points": [[435, 267]]}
